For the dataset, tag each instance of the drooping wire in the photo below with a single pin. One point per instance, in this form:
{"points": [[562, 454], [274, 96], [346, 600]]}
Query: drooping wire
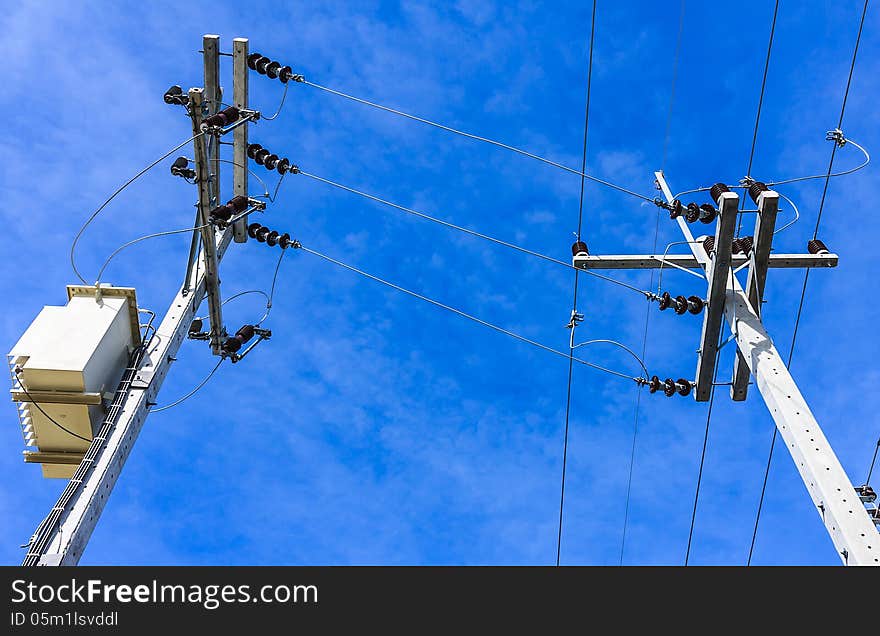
{"points": [[113, 196], [493, 142], [143, 238], [17, 372], [281, 105], [191, 393], [474, 233], [272, 289], [807, 275], [575, 292], [453, 310], [632, 455], [835, 174], [760, 101]]}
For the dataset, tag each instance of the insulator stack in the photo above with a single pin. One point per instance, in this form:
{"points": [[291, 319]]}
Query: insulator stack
{"points": [[270, 161], [669, 386], [579, 247], [271, 69], [755, 190], [815, 246], [266, 235], [708, 213], [234, 343], [680, 304], [716, 191], [743, 245], [709, 244], [223, 213], [225, 117], [692, 212]]}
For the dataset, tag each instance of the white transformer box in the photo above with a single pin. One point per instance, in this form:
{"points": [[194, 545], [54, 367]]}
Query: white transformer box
{"points": [[66, 367]]}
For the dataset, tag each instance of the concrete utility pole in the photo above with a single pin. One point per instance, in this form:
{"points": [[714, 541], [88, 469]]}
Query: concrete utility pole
{"points": [[849, 524], [62, 536]]}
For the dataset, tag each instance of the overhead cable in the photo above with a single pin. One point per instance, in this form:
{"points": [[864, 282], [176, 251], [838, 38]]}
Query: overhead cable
{"points": [[466, 315]]}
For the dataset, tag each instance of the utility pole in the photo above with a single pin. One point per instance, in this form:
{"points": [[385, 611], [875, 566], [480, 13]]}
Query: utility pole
{"points": [[240, 138], [61, 538], [850, 525]]}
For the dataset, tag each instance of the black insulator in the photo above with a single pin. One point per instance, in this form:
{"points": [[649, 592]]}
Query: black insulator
{"points": [[654, 385], [579, 247], [231, 345], [272, 238], [239, 203], [261, 155], [252, 60], [707, 213], [283, 166], [196, 325], [745, 244], [252, 229], [755, 190], [683, 386], [252, 150], [262, 233], [285, 74], [284, 241], [665, 301], [179, 163], [272, 70], [815, 246], [709, 244], [245, 333], [221, 213], [716, 191], [692, 212], [223, 118], [681, 305], [261, 65], [695, 304], [180, 168], [175, 95], [675, 210], [669, 387], [271, 161]]}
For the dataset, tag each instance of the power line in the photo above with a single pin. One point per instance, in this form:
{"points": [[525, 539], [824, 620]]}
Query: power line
{"points": [[760, 100], [113, 196], [703, 454], [193, 392], [873, 459], [632, 455], [493, 142], [474, 233], [807, 273], [573, 325], [465, 315]]}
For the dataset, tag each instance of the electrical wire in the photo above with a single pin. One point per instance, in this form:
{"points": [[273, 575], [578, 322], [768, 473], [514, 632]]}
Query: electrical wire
{"points": [[474, 233], [480, 321], [492, 142], [807, 275], [191, 393], [272, 289], [760, 100], [835, 174], [113, 196], [252, 173], [143, 238], [687, 555], [873, 460], [632, 456], [281, 105], [573, 324], [17, 372]]}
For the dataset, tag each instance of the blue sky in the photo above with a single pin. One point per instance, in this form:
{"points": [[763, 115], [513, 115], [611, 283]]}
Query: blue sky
{"points": [[376, 429]]}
